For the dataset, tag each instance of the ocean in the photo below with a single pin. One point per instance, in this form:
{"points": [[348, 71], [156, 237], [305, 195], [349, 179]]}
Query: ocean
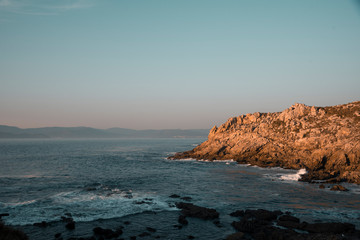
{"points": [[128, 183]]}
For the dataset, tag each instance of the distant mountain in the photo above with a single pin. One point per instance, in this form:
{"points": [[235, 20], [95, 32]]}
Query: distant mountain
{"points": [[87, 132]]}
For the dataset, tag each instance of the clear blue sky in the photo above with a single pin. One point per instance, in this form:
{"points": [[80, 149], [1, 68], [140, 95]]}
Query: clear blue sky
{"points": [[172, 63]]}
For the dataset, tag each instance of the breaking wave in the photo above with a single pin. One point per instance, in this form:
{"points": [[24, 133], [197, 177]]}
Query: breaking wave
{"points": [[86, 205], [294, 177]]}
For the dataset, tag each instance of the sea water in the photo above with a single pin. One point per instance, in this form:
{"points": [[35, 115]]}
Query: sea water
{"points": [[41, 180]]}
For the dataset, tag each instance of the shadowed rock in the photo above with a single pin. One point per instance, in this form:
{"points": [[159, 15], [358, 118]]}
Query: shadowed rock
{"points": [[9, 233], [235, 236], [260, 224], [107, 233], [329, 227], [191, 210], [70, 225]]}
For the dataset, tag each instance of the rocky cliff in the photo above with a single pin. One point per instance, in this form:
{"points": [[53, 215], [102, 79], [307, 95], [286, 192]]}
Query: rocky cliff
{"points": [[324, 140]]}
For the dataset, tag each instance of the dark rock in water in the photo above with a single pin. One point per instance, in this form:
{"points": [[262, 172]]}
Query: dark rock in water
{"points": [[67, 219], [291, 224], [186, 199], [9, 233], [43, 224], [127, 223], [98, 230], [177, 226], [174, 196], [70, 225], [262, 214], [321, 186], [191, 210], [182, 220], [238, 213], [329, 228], [235, 236], [144, 234], [3, 215], [260, 224], [249, 225], [270, 232], [143, 202], [217, 223], [57, 235], [107, 233], [133, 238], [151, 229], [191, 237], [339, 188], [289, 218]]}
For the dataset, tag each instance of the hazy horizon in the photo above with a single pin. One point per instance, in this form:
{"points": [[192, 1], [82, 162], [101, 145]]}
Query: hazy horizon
{"points": [[156, 64], [107, 128]]}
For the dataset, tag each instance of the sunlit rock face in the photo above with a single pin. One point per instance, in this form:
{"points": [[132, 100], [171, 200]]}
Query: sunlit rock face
{"points": [[324, 140]]}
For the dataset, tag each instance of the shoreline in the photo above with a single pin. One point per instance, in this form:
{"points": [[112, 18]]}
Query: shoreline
{"points": [[302, 177]]}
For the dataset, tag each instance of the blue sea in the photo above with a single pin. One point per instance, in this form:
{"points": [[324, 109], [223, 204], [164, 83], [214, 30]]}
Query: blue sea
{"points": [[117, 181]]}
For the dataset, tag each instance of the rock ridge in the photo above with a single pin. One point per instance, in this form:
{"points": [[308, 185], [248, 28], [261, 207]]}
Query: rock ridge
{"points": [[324, 140]]}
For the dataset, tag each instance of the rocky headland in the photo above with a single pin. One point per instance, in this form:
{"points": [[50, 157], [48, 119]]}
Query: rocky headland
{"points": [[323, 140]]}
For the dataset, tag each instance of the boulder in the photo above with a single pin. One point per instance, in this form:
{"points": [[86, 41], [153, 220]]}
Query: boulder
{"points": [[191, 210], [339, 188], [337, 228]]}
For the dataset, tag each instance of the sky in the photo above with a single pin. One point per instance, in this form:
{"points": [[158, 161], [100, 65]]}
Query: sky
{"points": [[160, 64]]}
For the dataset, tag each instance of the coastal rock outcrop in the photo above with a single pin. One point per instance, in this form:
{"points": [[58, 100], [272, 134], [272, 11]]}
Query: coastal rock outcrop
{"points": [[324, 140]]}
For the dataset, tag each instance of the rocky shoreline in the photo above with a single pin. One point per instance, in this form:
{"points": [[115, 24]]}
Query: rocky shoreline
{"points": [[247, 224], [323, 140]]}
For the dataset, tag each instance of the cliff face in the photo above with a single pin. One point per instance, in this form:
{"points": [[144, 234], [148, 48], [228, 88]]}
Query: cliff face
{"points": [[324, 140]]}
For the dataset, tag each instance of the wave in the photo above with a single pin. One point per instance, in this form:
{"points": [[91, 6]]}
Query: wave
{"points": [[294, 177], [87, 205], [185, 159], [18, 203], [225, 161]]}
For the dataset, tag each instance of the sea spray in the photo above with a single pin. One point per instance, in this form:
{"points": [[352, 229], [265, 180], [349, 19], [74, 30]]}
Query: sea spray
{"points": [[294, 177]]}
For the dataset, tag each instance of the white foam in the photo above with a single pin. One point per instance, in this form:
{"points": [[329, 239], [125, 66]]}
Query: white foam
{"points": [[19, 203], [225, 161], [87, 206], [185, 159], [294, 177]]}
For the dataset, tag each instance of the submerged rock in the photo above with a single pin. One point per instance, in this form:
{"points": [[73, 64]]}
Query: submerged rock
{"points": [[323, 140]]}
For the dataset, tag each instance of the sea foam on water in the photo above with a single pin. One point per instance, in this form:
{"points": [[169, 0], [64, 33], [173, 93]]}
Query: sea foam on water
{"points": [[294, 177]]}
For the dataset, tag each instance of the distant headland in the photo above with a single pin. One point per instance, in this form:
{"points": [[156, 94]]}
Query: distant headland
{"points": [[9, 132], [323, 140]]}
